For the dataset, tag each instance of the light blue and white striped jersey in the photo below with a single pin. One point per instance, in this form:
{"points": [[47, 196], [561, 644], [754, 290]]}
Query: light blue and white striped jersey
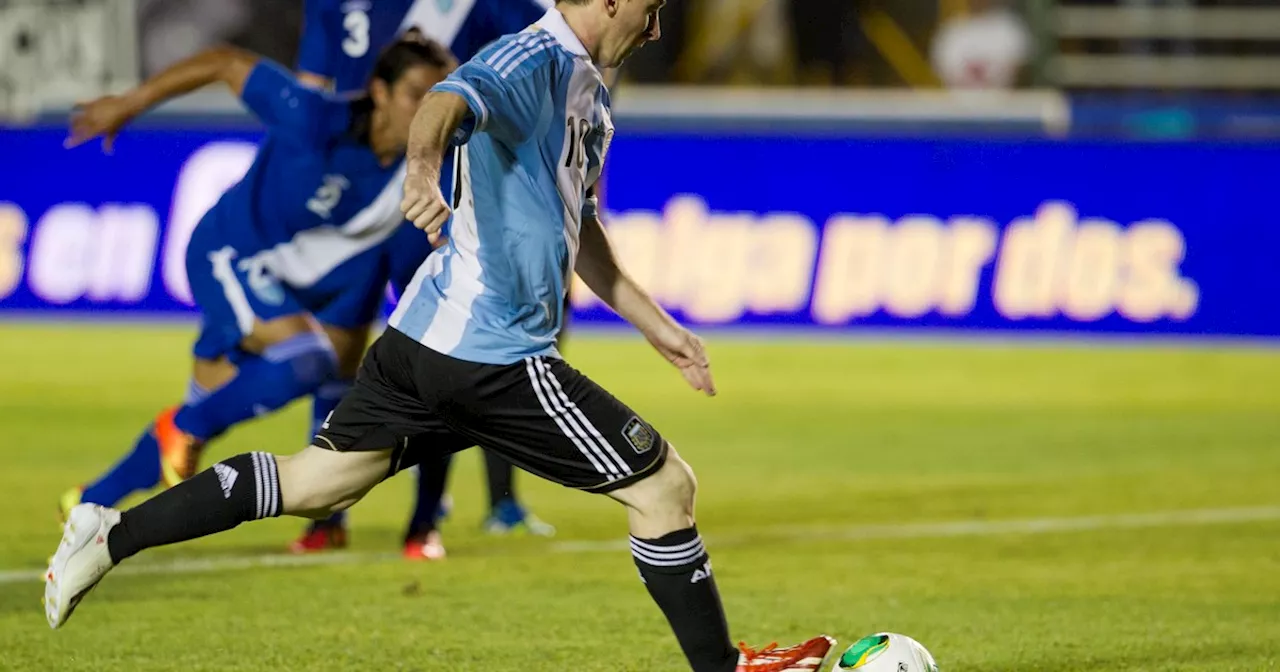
{"points": [[535, 140]]}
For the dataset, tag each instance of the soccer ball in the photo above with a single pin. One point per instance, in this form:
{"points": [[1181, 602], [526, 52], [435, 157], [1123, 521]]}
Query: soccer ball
{"points": [[886, 652]]}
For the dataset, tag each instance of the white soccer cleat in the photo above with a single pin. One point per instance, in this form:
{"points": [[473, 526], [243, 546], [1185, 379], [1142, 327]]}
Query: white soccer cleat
{"points": [[81, 561]]}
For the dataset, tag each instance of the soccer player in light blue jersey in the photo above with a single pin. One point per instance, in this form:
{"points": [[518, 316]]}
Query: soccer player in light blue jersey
{"points": [[470, 353], [340, 39], [275, 266]]}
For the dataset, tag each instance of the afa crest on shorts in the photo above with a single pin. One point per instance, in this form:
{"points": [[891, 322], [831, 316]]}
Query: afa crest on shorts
{"points": [[639, 435]]}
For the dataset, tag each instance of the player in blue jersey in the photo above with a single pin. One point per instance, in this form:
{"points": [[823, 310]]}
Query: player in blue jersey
{"points": [[339, 41], [341, 38], [470, 353], [278, 266]]}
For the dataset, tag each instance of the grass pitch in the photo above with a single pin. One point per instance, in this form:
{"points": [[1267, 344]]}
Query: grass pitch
{"points": [[1032, 508]]}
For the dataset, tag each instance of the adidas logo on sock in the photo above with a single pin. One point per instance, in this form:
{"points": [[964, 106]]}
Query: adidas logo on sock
{"points": [[227, 477], [702, 573]]}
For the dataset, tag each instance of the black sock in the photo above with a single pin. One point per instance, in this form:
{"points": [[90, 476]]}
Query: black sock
{"points": [[433, 475], [502, 475], [240, 488], [676, 570]]}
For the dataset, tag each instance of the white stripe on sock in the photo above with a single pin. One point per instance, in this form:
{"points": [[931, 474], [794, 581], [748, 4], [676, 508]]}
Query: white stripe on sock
{"points": [[273, 486], [257, 484], [654, 547], [675, 555]]}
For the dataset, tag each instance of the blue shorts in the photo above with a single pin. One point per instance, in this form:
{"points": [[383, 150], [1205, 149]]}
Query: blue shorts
{"points": [[232, 290], [350, 295]]}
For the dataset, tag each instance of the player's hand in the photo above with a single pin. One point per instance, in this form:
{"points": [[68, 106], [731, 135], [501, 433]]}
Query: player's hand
{"points": [[424, 204], [102, 118], [686, 351]]}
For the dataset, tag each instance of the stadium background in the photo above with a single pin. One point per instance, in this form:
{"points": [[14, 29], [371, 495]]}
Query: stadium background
{"points": [[995, 321]]}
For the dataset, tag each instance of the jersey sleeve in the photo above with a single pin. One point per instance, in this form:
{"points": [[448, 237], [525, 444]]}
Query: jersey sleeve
{"points": [[507, 108], [315, 47], [290, 109]]}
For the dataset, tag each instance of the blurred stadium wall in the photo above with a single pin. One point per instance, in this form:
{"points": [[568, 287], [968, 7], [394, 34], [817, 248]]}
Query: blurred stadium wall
{"points": [[1101, 167]]}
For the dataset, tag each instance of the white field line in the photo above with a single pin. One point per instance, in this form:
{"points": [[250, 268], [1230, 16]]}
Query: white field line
{"points": [[774, 534]]}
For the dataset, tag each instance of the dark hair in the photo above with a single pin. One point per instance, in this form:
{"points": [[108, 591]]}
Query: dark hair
{"points": [[411, 50]]}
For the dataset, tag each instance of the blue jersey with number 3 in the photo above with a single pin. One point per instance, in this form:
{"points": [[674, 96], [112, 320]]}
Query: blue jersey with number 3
{"points": [[341, 39]]}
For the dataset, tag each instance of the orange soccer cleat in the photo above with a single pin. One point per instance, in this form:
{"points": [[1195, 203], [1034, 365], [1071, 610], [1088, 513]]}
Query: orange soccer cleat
{"points": [[806, 657], [179, 451]]}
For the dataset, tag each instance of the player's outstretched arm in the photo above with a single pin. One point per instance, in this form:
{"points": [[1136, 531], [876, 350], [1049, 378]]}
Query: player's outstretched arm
{"points": [[598, 267], [105, 116], [438, 118]]}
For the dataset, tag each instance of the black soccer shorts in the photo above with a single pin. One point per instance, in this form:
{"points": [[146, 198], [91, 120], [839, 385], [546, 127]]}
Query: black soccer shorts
{"points": [[540, 413]]}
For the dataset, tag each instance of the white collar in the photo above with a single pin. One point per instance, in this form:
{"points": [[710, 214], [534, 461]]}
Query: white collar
{"points": [[553, 22]]}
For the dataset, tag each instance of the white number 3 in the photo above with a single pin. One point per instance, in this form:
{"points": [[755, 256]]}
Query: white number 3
{"points": [[357, 42]]}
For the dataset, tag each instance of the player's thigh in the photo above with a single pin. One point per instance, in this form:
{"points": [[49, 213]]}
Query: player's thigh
{"points": [[349, 344], [318, 481], [384, 412], [268, 332], [211, 374], [553, 421], [242, 304]]}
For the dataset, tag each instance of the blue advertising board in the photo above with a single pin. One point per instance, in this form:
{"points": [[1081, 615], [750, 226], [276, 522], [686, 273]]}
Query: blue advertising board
{"points": [[824, 231]]}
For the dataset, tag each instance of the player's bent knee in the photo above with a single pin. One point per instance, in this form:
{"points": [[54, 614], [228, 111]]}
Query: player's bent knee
{"points": [[679, 484], [667, 493]]}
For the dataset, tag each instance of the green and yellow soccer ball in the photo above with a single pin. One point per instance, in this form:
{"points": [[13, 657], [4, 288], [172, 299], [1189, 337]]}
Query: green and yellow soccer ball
{"points": [[886, 652]]}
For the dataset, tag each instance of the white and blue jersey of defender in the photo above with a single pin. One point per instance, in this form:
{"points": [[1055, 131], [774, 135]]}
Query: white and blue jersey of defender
{"points": [[341, 38], [278, 242], [531, 147]]}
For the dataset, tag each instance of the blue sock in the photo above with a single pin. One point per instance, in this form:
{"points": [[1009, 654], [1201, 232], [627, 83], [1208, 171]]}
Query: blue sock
{"points": [[140, 469], [287, 370], [323, 402]]}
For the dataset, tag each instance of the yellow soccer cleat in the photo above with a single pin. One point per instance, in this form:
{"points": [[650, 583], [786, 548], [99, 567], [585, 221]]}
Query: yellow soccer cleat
{"points": [[69, 500]]}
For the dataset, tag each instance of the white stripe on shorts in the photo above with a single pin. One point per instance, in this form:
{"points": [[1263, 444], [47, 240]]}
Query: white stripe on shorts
{"points": [[609, 473], [577, 421], [232, 289], [592, 432]]}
